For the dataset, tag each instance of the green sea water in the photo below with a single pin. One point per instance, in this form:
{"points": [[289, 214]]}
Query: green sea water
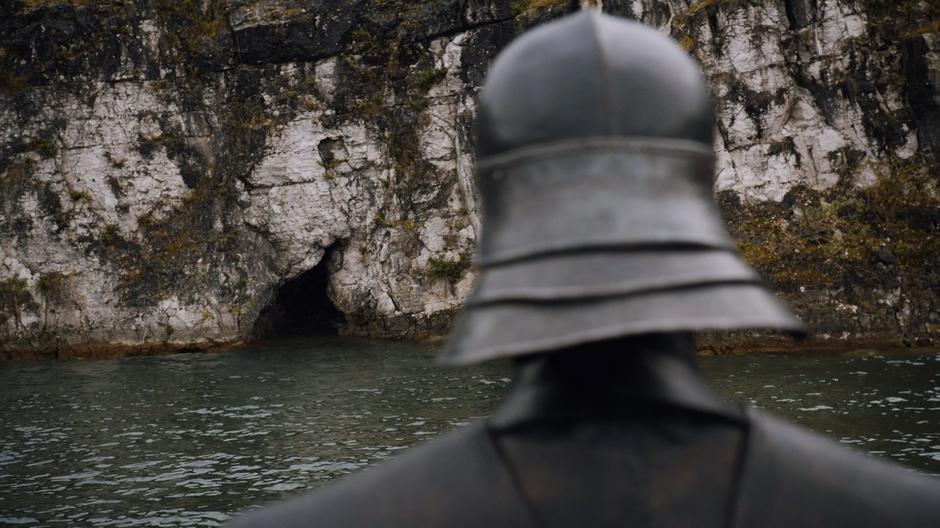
{"points": [[188, 440]]}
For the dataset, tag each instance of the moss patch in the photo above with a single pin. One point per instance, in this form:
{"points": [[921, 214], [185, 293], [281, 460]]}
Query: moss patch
{"points": [[15, 298], [427, 78], [12, 84], [683, 22], [45, 147], [522, 6], [857, 241], [902, 18], [448, 270], [822, 238], [196, 26]]}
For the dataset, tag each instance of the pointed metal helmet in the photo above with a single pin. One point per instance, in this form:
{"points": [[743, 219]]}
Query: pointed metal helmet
{"points": [[595, 170]]}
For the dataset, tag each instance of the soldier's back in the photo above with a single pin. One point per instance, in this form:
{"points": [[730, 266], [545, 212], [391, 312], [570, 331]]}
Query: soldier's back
{"points": [[793, 477], [679, 469], [458, 480]]}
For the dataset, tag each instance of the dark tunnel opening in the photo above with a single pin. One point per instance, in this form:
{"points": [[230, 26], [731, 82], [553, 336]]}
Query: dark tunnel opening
{"points": [[301, 306]]}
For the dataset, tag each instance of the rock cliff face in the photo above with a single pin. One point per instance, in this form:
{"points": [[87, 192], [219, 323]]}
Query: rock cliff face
{"points": [[180, 174]]}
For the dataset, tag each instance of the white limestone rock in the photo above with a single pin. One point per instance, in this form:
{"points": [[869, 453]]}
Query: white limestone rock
{"points": [[109, 164]]}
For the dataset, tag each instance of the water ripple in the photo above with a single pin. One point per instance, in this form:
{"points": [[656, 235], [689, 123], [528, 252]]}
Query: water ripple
{"points": [[188, 440]]}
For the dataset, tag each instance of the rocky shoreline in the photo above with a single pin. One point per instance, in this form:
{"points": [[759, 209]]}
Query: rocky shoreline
{"points": [[709, 345]]}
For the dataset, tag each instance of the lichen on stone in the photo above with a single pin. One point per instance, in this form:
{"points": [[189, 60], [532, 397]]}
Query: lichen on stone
{"points": [[166, 167]]}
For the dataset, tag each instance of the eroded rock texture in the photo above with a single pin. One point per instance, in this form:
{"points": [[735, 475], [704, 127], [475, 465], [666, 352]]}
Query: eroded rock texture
{"points": [[170, 169]]}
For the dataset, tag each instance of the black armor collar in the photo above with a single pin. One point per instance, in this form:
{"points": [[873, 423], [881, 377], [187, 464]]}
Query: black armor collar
{"points": [[611, 379]]}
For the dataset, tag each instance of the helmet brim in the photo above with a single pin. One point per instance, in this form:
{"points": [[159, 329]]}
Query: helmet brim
{"points": [[517, 328]]}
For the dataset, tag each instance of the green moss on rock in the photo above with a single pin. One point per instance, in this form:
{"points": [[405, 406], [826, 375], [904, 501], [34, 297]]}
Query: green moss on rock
{"points": [[858, 241], [448, 270], [15, 298], [522, 6]]}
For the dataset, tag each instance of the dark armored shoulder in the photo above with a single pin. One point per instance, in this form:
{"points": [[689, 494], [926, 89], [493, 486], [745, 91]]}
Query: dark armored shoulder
{"points": [[792, 477], [454, 481]]}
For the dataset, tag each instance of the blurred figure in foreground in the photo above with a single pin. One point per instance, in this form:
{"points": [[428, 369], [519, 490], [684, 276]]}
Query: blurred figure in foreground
{"points": [[602, 250]]}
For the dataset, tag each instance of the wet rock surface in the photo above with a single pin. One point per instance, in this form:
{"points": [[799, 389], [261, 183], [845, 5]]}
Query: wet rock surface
{"points": [[166, 167]]}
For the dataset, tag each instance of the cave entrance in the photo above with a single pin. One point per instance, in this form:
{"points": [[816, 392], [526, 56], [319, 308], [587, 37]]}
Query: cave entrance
{"points": [[301, 306]]}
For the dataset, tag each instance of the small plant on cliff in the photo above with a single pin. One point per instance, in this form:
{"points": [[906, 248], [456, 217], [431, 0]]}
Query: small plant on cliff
{"points": [[44, 147], [902, 18], [682, 22], [78, 195], [12, 84], [19, 173], [522, 6], [903, 184], [14, 299], [428, 78], [932, 26], [197, 27], [448, 270], [784, 146], [423, 83], [330, 163], [55, 288], [701, 5], [250, 115]]}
